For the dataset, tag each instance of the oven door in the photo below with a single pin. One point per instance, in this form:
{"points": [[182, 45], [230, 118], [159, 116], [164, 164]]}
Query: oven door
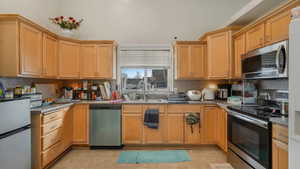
{"points": [[250, 139]]}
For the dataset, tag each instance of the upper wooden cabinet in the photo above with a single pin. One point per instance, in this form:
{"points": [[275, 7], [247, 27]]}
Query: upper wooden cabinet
{"points": [[68, 60], [277, 27], [31, 47], [88, 61], [50, 56], [218, 55], [190, 60], [255, 37], [105, 61], [239, 50]]}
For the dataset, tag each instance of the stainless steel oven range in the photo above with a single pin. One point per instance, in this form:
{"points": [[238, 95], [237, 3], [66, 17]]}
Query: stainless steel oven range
{"points": [[250, 136]]}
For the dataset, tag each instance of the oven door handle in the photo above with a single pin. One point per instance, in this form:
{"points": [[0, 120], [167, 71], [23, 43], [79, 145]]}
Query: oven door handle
{"points": [[251, 120]]}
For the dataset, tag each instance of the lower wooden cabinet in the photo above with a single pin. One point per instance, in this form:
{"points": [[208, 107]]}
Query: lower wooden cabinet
{"points": [[50, 136], [280, 147], [132, 128], [193, 135], [175, 128], [210, 115], [221, 131], [81, 124]]}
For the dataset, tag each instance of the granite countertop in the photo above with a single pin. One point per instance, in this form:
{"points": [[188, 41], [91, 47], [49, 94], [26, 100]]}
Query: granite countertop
{"points": [[50, 108], [280, 120]]}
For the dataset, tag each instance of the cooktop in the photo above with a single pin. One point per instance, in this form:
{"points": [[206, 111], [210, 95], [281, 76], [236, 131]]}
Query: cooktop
{"points": [[260, 112]]}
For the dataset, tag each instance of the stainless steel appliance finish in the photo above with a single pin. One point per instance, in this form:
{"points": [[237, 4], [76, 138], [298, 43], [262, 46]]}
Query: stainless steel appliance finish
{"points": [[15, 134], [105, 126], [236, 161], [249, 138], [268, 62]]}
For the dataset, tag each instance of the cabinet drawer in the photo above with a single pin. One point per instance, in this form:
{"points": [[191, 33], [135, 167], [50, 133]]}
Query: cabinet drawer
{"points": [[51, 154], [161, 108], [280, 133], [132, 108], [52, 138], [51, 126], [54, 116], [184, 108]]}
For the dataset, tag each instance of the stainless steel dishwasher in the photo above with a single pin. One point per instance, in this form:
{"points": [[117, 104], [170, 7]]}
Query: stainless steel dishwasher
{"points": [[105, 126]]}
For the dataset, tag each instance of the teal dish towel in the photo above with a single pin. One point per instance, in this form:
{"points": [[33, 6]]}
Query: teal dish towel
{"points": [[139, 157]]}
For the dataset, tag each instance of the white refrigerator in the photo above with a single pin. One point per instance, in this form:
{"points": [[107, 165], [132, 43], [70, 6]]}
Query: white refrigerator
{"points": [[294, 90]]}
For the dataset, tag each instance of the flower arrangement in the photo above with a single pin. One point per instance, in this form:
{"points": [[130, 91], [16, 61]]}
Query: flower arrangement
{"points": [[66, 23]]}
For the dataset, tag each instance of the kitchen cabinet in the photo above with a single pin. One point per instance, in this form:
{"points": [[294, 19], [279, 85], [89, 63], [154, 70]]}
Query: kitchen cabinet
{"points": [[239, 51], [190, 61], [68, 60], [175, 128], [50, 56], [279, 146], [277, 27], [31, 48], [132, 124], [219, 55], [255, 37], [210, 117], [81, 124], [88, 61], [105, 61], [193, 136], [67, 129], [155, 136], [221, 129]]}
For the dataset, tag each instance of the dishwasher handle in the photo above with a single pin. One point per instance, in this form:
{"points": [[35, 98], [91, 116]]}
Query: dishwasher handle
{"points": [[106, 106]]}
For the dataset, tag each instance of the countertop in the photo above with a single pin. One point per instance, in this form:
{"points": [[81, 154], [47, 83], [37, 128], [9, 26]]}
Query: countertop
{"points": [[60, 105], [280, 120]]}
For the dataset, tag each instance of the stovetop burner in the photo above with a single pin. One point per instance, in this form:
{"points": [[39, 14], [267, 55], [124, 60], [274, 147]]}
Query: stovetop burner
{"points": [[260, 112]]}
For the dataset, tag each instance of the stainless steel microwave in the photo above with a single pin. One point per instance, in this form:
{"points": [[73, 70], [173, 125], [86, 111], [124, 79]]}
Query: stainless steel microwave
{"points": [[270, 62]]}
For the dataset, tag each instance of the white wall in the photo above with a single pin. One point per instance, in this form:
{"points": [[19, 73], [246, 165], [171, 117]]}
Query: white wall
{"points": [[150, 21], [132, 21], [36, 10]]}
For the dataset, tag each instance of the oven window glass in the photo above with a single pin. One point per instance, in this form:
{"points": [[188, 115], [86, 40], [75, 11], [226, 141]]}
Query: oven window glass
{"points": [[251, 139]]}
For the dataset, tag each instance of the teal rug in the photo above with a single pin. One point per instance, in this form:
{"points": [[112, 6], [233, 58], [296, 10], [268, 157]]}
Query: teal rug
{"points": [[138, 157]]}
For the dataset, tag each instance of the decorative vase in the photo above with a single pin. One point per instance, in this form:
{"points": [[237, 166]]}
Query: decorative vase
{"points": [[68, 33]]}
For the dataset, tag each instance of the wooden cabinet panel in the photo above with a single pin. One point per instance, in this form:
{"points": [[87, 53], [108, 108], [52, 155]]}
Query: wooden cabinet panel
{"points": [[239, 51], [68, 59], [67, 129], [104, 61], [50, 56], [218, 55], [190, 61], [280, 133], [277, 28], [81, 124], [175, 128], [210, 125], [31, 48], [130, 108], [51, 154], [132, 128], [255, 37], [51, 139], [279, 155], [222, 129], [193, 137], [88, 61]]}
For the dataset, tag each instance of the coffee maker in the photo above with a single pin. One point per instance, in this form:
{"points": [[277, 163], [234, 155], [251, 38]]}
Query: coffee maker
{"points": [[224, 91]]}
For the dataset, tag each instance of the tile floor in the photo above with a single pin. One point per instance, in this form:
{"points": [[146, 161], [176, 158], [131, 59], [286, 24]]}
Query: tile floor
{"points": [[202, 157]]}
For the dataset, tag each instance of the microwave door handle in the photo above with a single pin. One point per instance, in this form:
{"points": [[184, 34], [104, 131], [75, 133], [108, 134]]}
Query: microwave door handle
{"points": [[279, 50]]}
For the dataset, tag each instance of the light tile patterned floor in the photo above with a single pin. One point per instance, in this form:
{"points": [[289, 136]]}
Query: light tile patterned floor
{"points": [[202, 157]]}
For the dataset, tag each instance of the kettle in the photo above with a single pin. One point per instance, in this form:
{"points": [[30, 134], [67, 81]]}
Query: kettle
{"points": [[208, 94]]}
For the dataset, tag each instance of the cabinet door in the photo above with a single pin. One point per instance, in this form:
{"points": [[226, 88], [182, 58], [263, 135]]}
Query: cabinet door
{"points": [[222, 129], [218, 55], [175, 128], [183, 61], [31, 47], [68, 60], [210, 125], [277, 28], [105, 61], [197, 61], [88, 61], [193, 136], [67, 130], [239, 51], [50, 56], [132, 128], [81, 124], [255, 37], [279, 155]]}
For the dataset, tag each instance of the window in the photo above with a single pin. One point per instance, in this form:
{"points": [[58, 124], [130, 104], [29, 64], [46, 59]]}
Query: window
{"points": [[150, 79]]}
